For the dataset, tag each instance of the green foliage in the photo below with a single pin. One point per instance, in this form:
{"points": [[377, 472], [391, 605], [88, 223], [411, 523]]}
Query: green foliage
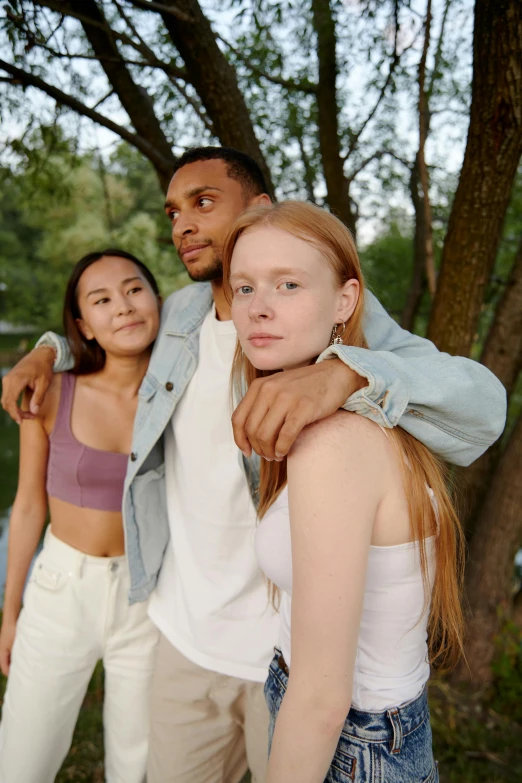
{"points": [[507, 668], [472, 742], [81, 204], [387, 264]]}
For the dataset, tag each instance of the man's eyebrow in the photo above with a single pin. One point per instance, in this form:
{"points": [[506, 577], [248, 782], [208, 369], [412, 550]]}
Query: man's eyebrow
{"points": [[192, 193], [123, 282]]}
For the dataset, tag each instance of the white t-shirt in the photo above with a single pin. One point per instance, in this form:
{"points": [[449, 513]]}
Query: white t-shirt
{"points": [[211, 600]]}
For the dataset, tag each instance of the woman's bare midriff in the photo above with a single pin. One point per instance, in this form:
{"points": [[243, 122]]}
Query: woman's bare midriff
{"points": [[96, 533]]}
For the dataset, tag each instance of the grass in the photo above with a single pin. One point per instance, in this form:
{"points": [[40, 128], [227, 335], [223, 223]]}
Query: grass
{"points": [[473, 742]]}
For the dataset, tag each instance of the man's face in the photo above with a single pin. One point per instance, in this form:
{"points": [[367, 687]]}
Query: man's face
{"points": [[202, 204]]}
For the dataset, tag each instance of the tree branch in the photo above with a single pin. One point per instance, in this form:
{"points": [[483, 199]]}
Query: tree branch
{"points": [[150, 5], [215, 81], [102, 100], [197, 106], [362, 165], [175, 82], [175, 73], [423, 170], [399, 159], [337, 186], [133, 98], [141, 47], [438, 52], [64, 99], [393, 64], [289, 84]]}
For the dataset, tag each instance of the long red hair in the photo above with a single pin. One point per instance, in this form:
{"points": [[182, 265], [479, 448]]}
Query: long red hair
{"points": [[420, 468]]}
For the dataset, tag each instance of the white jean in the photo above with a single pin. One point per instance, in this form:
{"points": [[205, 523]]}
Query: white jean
{"points": [[75, 613]]}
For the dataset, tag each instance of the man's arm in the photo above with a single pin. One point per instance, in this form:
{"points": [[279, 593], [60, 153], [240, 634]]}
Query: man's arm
{"points": [[455, 406], [35, 372]]}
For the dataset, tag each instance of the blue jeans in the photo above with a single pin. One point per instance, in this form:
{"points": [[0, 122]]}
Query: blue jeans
{"points": [[393, 746]]}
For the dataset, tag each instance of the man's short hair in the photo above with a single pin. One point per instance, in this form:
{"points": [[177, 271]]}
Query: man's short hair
{"points": [[240, 166]]}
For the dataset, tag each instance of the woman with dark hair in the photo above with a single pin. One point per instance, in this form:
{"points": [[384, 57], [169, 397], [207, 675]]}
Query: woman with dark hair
{"points": [[73, 461]]}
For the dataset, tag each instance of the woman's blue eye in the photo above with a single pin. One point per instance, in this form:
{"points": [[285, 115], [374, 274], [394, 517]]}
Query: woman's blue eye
{"points": [[290, 286], [245, 289]]}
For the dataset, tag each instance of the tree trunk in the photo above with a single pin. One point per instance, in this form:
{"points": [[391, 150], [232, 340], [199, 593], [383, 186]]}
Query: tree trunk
{"points": [[424, 121], [493, 150], [133, 98], [490, 568], [502, 354], [338, 196], [424, 262], [214, 80], [418, 278]]}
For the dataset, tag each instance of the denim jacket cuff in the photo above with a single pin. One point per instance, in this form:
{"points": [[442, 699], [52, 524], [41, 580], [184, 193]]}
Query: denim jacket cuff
{"points": [[386, 396], [63, 360]]}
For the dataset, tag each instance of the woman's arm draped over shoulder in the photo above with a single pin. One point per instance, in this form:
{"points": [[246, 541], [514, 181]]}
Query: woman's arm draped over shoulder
{"points": [[25, 526], [334, 489]]}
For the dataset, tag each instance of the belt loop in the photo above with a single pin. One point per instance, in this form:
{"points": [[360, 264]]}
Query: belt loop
{"points": [[395, 720]]}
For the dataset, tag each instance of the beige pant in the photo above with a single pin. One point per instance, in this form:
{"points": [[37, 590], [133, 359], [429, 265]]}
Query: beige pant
{"points": [[75, 613], [205, 727]]}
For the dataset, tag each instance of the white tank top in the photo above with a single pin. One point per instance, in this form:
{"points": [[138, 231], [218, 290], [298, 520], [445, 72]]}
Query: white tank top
{"points": [[391, 665]]}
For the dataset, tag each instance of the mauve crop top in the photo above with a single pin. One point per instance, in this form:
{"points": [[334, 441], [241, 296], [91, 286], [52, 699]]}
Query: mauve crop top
{"points": [[79, 474]]}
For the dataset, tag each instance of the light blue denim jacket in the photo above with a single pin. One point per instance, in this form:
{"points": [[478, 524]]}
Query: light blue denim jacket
{"points": [[454, 405]]}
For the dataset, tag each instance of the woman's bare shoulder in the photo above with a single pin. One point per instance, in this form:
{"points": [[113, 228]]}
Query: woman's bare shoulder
{"points": [[344, 431]]}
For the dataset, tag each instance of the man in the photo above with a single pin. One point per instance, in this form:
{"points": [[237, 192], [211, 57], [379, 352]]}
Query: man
{"points": [[189, 502]]}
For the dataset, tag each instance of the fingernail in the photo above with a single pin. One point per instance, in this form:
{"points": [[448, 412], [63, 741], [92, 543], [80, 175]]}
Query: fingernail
{"points": [[245, 453], [268, 459], [279, 456]]}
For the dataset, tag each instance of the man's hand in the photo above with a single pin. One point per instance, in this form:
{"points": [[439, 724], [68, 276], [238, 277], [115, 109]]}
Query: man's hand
{"points": [[275, 409], [34, 371]]}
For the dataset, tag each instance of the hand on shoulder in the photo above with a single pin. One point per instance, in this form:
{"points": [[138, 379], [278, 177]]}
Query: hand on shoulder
{"points": [[33, 373], [49, 405]]}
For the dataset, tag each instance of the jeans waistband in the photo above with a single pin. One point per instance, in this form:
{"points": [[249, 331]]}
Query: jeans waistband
{"points": [[390, 725], [75, 561]]}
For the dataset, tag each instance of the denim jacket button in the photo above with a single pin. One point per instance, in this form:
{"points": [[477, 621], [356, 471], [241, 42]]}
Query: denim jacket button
{"points": [[133, 456], [169, 386]]}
